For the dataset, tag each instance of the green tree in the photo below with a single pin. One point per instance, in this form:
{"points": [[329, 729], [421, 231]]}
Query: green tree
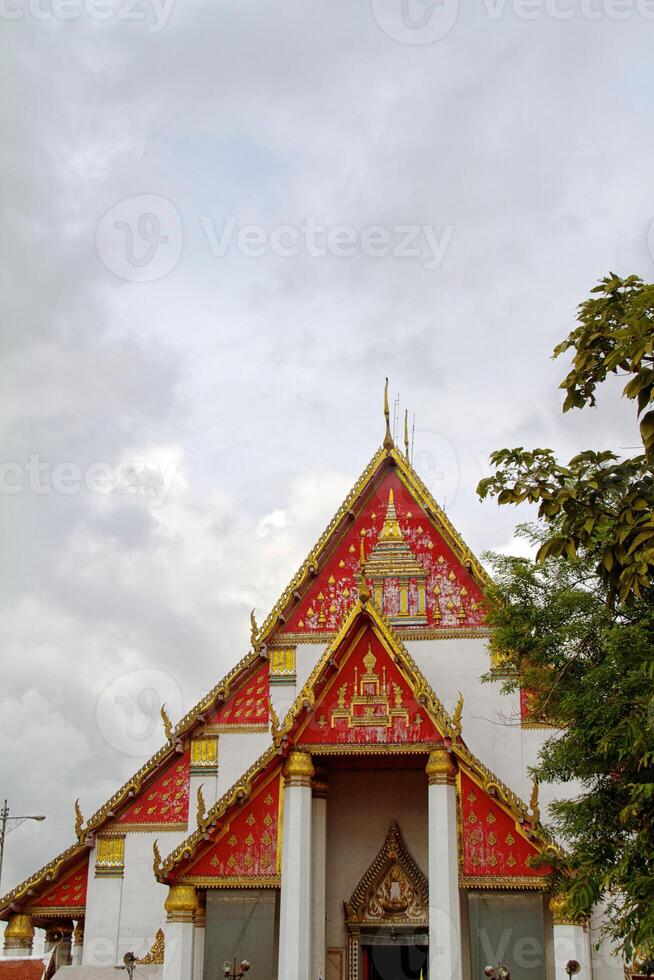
{"points": [[576, 626]]}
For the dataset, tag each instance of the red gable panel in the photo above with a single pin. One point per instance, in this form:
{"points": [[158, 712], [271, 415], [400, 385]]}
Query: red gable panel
{"points": [[367, 702], [163, 801], [453, 598], [248, 843], [248, 705], [67, 893], [493, 847]]}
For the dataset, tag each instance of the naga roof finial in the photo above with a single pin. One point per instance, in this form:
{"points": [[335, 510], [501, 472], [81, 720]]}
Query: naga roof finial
{"points": [[156, 856], [79, 820], [254, 630], [202, 806], [456, 717], [533, 803], [167, 723], [388, 438]]}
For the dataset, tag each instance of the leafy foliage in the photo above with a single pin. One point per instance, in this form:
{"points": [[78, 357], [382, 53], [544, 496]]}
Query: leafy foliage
{"points": [[592, 672], [576, 626], [598, 504]]}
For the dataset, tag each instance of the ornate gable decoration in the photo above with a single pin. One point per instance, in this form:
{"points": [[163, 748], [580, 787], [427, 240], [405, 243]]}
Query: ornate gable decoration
{"points": [[163, 803], [246, 848], [246, 708], [495, 847], [366, 693], [393, 891], [369, 701], [419, 570], [67, 896]]}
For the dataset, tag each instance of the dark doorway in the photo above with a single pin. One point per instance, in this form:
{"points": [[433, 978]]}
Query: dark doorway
{"points": [[397, 963]]}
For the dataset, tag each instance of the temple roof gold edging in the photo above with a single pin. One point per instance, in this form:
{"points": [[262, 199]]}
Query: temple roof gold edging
{"points": [[414, 484], [238, 792], [48, 874]]}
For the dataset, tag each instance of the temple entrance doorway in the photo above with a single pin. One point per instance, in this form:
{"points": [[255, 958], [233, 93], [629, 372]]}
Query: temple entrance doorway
{"points": [[394, 961]]}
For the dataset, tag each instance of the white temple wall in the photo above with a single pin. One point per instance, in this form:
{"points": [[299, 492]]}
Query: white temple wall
{"points": [[101, 925], [142, 906], [360, 807], [491, 719], [236, 753]]}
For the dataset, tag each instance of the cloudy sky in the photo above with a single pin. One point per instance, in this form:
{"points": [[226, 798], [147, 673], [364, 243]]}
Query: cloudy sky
{"points": [[223, 224]]}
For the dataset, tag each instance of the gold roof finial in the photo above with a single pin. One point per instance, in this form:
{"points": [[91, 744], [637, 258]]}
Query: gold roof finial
{"points": [[533, 803], [456, 717], [363, 590], [156, 856], [275, 725], [406, 433], [254, 630], [202, 806], [167, 723], [79, 819], [388, 438]]}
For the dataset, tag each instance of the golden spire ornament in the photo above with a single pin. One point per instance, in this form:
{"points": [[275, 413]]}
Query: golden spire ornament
{"points": [[254, 630], [388, 438], [533, 803], [456, 717], [202, 806], [167, 723], [79, 819], [275, 725], [156, 855]]}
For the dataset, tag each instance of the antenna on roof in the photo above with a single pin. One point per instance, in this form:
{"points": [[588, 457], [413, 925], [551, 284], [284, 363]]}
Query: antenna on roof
{"points": [[396, 415], [413, 436], [406, 434], [388, 438]]}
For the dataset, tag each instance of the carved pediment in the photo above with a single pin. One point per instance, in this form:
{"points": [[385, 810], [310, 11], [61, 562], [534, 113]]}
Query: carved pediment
{"points": [[393, 891]]}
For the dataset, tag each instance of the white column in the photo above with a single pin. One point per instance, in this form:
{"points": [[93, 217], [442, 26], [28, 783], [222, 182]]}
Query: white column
{"points": [[571, 941], [318, 874], [78, 943], [444, 913], [181, 908], [19, 935], [295, 906], [198, 937]]}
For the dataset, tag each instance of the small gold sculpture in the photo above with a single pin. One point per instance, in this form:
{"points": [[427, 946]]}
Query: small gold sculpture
{"points": [[254, 630], [167, 723], [202, 807], [156, 863], [275, 725], [156, 954], [456, 717], [533, 803], [79, 819]]}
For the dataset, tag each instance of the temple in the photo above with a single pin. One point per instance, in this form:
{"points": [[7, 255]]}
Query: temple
{"points": [[351, 801]]}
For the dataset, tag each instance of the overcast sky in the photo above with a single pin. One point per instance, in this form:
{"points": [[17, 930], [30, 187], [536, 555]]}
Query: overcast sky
{"points": [[186, 399]]}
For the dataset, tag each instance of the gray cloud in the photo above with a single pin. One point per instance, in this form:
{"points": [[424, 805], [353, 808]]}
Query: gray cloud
{"points": [[257, 381]]}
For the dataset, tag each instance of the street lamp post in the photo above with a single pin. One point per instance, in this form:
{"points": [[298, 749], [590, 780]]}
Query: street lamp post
{"points": [[5, 828]]}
